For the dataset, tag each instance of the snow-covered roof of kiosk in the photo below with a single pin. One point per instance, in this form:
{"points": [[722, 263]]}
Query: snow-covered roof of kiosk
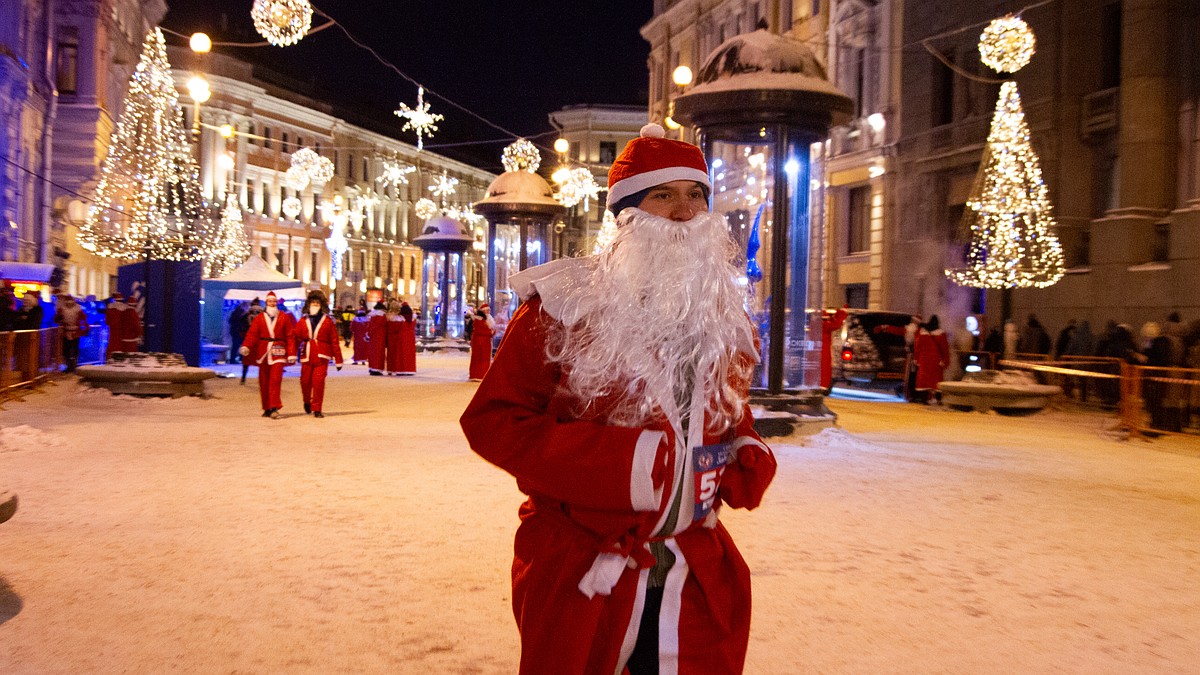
{"points": [[443, 233], [258, 271], [519, 187], [761, 61]]}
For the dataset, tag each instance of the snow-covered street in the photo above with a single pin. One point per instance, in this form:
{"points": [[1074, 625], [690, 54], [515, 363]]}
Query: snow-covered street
{"points": [[195, 536]]}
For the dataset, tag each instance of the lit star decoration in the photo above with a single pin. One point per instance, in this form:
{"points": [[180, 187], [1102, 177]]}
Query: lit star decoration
{"points": [[1008, 221], [394, 173], [1006, 45], [230, 248], [419, 119], [425, 208], [521, 156], [147, 202], [444, 186], [318, 168], [608, 232], [359, 207], [282, 22]]}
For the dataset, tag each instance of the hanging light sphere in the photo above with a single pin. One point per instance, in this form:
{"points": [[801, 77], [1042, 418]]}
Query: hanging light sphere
{"points": [[521, 156], [282, 22], [318, 168], [425, 208], [682, 76], [200, 43], [296, 178], [562, 145], [291, 207], [198, 89], [1007, 44]]}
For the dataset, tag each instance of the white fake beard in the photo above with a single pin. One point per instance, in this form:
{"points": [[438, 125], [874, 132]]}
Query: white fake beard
{"points": [[662, 302], [272, 312]]}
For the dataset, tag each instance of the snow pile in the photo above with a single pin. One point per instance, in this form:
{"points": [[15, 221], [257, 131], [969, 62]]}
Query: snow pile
{"points": [[25, 437], [836, 437]]}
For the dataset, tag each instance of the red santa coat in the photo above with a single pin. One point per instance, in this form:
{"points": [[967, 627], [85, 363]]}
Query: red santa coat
{"points": [[481, 346], [402, 345], [124, 327], [593, 506], [931, 351], [377, 339], [270, 340], [829, 323], [362, 348], [320, 346]]}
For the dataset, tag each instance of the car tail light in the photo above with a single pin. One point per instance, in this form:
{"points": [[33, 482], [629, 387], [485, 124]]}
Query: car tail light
{"points": [[847, 354]]}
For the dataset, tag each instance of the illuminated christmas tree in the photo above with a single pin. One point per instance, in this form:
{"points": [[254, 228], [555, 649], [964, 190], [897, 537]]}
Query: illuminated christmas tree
{"points": [[230, 249], [147, 203], [1008, 222]]}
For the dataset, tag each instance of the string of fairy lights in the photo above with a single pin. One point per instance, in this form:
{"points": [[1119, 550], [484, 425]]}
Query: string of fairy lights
{"points": [[1009, 221]]}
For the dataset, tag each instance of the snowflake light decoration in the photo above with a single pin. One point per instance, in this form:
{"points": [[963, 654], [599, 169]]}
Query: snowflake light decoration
{"points": [[291, 207], [296, 178], [608, 232], [444, 186], [426, 208], [579, 185], [521, 156], [395, 173], [419, 119], [1007, 44], [336, 242], [282, 22]]}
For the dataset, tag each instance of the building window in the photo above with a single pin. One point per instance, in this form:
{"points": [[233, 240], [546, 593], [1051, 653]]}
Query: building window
{"points": [[67, 67], [263, 253], [1162, 243], [267, 137], [299, 142], [858, 226], [283, 141], [250, 139], [391, 263], [296, 265], [576, 151], [366, 167], [857, 295], [280, 257], [608, 152], [349, 165], [312, 271], [1109, 44], [378, 263], [942, 95]]}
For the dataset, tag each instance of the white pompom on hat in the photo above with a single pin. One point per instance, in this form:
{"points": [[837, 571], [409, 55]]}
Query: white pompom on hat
{"points": [[652, 159]]}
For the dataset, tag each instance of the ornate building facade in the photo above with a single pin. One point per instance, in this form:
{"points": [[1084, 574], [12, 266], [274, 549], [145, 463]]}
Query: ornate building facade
{"points": [[268, 123]]}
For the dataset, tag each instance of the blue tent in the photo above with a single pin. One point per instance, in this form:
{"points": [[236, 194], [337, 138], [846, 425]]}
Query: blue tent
{"points": [[254, 275]]}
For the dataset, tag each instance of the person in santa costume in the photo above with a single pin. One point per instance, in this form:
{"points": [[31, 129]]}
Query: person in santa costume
{"points": [[931, 354], [269, 345], [124, 326], [377, 339], [483, 327], [619, 401], [406, 345], [358, 330], [316, 338], [395, 336]]}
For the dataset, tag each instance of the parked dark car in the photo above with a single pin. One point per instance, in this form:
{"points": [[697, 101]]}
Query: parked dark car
{"points": [[869, 350]]}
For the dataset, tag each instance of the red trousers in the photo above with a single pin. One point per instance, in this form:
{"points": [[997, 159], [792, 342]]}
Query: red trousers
{"points": [[312, 383], [270, 379]]}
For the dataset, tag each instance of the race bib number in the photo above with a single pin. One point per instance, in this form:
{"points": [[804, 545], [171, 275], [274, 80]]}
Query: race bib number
{"points": [[708, 465], [278, 351]]}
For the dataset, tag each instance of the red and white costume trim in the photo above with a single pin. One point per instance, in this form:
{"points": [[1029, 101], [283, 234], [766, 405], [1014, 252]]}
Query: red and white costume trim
{"points": [[315, 349]]}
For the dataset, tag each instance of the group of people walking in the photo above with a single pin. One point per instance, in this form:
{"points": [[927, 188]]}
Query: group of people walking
{"points": [[275, 339], [390, 339]]}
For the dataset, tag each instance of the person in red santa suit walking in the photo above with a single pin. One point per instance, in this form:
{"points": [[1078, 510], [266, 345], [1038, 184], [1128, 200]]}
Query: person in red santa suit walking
{"points": [[377, 339], [931, 353], [483, 327], [316, 338], [124, 326], [619, 401], [269, 345], [395, 336], [406, 354]]}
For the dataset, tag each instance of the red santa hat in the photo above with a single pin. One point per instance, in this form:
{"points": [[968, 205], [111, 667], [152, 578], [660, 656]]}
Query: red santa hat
{"points": [[484, 306], [271, 295], [651, 159], [118, 296]]}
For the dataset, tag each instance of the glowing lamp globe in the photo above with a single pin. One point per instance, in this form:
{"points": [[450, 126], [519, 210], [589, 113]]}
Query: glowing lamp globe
{"points": [[682, 76], [562, 145], [200, 43]]}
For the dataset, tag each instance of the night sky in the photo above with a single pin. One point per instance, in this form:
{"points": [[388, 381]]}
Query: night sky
{"points": [[510, 62]]}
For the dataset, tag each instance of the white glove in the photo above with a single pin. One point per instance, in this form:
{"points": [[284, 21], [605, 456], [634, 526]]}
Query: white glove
{"points": [[244, 351]]}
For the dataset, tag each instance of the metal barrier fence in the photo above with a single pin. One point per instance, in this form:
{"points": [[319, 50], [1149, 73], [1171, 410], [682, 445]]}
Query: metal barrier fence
{"points": [[1148, 400], [27, 358]]}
